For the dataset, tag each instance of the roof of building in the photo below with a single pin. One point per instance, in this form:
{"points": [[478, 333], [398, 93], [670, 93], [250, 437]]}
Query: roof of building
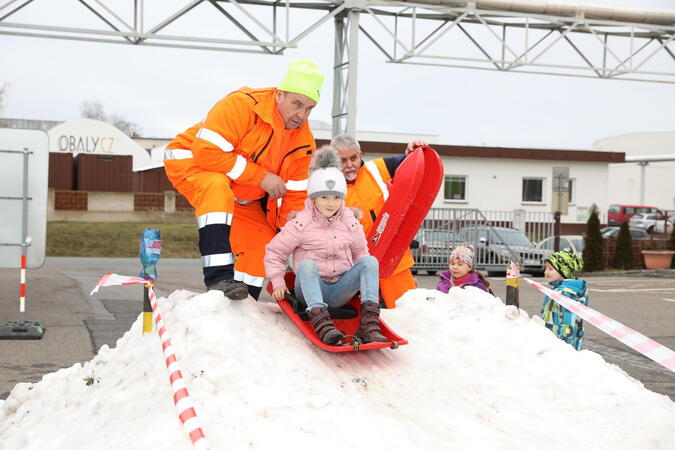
{"points": [[466, 151]]}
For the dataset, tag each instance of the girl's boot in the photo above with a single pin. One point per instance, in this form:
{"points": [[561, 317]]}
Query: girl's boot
{"points": [[324, 326], [370, 331]]}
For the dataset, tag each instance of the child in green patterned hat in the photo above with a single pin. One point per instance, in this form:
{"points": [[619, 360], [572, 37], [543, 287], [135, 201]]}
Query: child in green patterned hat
{"points": [[561, 268]]}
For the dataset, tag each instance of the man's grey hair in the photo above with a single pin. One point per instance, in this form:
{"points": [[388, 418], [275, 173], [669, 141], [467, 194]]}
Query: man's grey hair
{"points": [[344, 141]]}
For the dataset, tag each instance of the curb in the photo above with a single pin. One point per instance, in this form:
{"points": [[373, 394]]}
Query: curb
{"points": [[657, 273]]}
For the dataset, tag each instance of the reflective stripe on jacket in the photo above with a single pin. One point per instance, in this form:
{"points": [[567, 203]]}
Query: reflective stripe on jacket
{"points": [[244, 137]]}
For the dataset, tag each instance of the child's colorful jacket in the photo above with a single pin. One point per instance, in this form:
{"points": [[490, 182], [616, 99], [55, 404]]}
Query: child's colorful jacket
{"points": [[472, 279], [565, 324]]}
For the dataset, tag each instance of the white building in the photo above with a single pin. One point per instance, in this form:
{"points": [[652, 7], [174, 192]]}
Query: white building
{"points": [[485, 178], [95, 137], [508, 179], [625, 181]]}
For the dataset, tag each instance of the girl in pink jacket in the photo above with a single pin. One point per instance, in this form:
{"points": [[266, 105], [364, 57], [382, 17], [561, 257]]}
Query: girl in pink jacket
{"points": [[330, 255]]}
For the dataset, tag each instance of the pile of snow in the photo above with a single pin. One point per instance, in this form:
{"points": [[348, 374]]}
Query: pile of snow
{"points": [[476, 374]]}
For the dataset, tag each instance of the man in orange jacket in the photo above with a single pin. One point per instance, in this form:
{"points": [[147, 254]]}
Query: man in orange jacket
{"points": [[367, 190], [243, 169]]}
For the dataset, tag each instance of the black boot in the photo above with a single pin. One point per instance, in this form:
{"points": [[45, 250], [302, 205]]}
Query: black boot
{"points": [[370, 331], [324, 326], [234, 290]]}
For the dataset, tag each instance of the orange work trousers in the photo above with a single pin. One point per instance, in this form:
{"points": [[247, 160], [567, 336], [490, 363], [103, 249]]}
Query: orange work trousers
{"points": [[395, 285], [226, 226]]}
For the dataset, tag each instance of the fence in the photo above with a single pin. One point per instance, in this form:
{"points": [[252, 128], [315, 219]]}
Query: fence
{"points": [[498, 237], [655, 243]]}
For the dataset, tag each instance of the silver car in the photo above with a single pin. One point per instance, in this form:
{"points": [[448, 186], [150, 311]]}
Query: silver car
{"points": [[433, 250], [651, 223], [496, 247], [613, 232], [574, 242]]}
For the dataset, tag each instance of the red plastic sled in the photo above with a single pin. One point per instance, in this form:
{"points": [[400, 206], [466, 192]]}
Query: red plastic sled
{"points": [[411, 193], [347, 326]]}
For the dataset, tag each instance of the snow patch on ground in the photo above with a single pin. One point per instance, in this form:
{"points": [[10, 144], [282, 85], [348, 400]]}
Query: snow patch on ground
{"points": [[476, 374]]}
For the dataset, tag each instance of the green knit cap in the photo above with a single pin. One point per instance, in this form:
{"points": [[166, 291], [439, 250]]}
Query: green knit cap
{"points": [[566, 262], [303, 77]]}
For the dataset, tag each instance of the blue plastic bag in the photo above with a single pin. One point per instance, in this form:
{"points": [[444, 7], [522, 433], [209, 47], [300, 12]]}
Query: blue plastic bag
{"points": [[151, 247]]}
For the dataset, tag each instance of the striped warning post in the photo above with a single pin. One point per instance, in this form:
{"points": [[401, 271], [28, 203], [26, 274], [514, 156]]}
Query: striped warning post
{"points": [[181, 395], [513, 285], [22, 287], [638, 342]]}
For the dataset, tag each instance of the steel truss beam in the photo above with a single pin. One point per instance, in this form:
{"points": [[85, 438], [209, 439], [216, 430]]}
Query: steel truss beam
{"points": [[448, 33], [495, 36], [237, 15], [414, 28], [345, 73]]}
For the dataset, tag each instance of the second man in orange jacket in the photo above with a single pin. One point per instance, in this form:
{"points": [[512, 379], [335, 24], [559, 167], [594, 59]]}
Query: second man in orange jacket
{"points": [[367, 190]]}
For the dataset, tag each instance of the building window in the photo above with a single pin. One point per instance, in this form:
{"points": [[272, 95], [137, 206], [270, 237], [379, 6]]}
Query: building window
{"points": [[455, 188], [533, 189], [570, 190]]}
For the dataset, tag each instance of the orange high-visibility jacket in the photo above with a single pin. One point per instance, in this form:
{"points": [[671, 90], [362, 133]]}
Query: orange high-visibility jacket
{"points": [[368, 193], [244, 137]]}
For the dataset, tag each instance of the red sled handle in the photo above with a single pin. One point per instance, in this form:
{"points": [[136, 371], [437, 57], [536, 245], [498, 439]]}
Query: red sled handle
{"points": [[411, 194]]}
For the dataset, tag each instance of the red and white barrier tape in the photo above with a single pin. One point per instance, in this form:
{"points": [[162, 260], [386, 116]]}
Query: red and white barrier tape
{"points": [[512, 271], [639, 342], [181, 396]]}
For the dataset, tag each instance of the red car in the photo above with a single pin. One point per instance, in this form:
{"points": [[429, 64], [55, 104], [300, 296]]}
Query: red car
{"points": [[617, 214]]}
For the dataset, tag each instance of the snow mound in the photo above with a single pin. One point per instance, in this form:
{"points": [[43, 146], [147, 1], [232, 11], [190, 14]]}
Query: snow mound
{"points": [[476, 374]]}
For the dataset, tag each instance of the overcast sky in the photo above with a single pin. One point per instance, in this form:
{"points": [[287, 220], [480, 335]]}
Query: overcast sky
{"points": [[166, 90]]}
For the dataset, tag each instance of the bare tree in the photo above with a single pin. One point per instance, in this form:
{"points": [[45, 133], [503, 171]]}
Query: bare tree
{"points": [[129, 128], [94, 110]]}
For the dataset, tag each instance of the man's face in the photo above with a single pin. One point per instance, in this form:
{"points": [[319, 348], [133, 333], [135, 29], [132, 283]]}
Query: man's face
{"points": [[294, 108], [351, 162]]}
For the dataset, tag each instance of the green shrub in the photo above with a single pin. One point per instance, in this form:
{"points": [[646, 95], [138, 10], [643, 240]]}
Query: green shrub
{"points": [[593, 245], [623, 252]]}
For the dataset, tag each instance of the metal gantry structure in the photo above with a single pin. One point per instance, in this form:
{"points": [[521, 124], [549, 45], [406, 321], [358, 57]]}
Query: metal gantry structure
{"points": [[501, 35]]}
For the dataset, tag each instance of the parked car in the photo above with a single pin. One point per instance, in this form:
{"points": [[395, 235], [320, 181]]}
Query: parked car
{"points": [[613, 232], [652, 223], [618, 214], [497, 246], [434, 248], [574, 242]]}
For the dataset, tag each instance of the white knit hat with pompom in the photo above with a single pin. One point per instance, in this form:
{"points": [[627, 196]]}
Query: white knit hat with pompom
{"points": [[325, 176]]}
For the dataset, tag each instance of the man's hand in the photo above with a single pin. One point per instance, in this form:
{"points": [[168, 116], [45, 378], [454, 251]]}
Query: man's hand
{"points": [[412, 145], [279, 293], [273, 185]]}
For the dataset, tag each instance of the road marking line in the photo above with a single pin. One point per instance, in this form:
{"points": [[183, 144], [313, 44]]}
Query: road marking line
{"points": [[669, 299], [633, 290]]}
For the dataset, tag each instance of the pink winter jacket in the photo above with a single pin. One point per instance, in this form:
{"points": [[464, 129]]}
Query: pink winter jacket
{"points": [[333, 244]]}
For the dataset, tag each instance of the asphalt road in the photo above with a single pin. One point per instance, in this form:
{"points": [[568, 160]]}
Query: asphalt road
{"points": [[79, 324]]}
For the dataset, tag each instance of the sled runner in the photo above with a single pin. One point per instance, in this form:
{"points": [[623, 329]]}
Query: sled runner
{"points": [[411, 193], [346, 320]]}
